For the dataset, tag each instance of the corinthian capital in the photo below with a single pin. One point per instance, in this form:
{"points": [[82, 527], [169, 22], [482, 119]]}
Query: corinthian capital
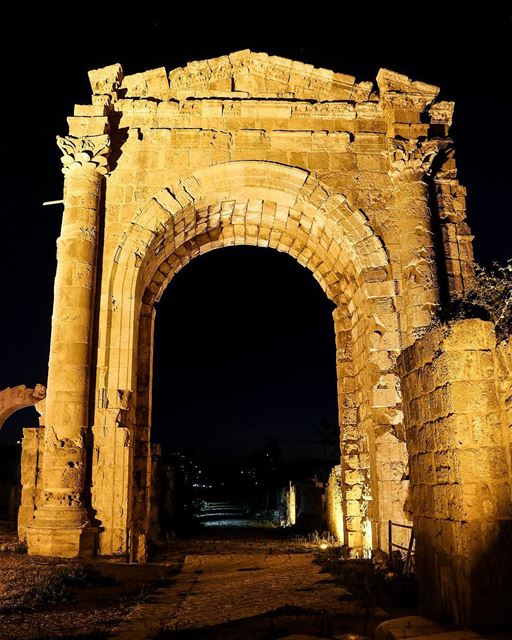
{"points": [[412, 159], [79, 152]]}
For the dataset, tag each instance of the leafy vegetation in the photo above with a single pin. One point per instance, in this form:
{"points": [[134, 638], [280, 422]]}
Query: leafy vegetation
{"points": [[489, 298]]}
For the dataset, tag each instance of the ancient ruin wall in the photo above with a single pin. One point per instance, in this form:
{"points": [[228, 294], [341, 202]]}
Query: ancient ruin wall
{"points": [[334, 504], [242, 149], [31, 466], [457, 391]]}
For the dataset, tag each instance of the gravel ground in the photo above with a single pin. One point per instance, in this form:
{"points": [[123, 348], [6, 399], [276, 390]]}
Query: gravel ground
{"points": [[35, 606], [45, 625]]}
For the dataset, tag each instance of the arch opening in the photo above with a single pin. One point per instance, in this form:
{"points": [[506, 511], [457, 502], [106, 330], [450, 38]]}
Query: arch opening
{"points": [[244, 386]]}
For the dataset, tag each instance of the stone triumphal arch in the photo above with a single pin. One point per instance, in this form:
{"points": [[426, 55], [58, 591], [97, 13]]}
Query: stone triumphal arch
{"points": [[357, 182]]}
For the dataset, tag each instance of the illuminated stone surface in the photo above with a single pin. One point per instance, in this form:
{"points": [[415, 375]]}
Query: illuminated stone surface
{"points": [[420, 629], [242, 149], [333, 504], [457, 385]]}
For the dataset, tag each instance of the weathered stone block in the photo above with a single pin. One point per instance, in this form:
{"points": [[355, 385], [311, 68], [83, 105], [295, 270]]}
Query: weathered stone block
{"points": [[106, 79], [153, 83], [64, 543]]}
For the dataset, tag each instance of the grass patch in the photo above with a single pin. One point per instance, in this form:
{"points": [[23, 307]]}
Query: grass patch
{"points": [[56, 585]]}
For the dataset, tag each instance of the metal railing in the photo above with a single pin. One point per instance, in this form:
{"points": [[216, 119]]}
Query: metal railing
{"points": [[409, 550]]}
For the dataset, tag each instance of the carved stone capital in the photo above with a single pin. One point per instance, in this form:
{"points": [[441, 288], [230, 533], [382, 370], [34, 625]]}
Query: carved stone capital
{"points": [[79, 152], [413, 159]]}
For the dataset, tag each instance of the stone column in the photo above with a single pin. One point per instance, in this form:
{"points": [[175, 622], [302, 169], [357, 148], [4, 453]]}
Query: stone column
{"points": [[411, 163], [61, 526], [458, 441]]}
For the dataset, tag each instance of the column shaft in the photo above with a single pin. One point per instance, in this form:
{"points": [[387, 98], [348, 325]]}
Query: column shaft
{"points": [[420, 287], [61, 526]]}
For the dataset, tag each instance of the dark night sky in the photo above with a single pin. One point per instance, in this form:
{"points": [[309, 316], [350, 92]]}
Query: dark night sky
{"points": [[244, 352], [231, 367]]}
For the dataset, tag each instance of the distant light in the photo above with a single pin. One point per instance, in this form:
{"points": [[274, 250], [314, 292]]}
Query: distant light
{"points": [[49, 202], [324, 545]]}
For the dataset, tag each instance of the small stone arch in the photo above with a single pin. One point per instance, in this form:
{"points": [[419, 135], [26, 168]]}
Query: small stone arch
{"points": [[13, 399]]}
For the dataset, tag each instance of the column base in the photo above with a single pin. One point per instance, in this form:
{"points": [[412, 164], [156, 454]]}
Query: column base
{"points": [[62, 542]]}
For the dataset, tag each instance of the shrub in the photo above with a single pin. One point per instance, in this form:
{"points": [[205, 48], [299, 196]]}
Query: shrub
{"points": [[488, 298]]}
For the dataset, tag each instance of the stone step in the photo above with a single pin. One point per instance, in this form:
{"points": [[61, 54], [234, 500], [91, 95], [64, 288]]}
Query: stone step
{"points": [[421, 628]]}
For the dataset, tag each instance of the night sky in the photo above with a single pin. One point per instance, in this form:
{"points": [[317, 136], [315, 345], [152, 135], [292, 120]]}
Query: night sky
{"points": [[244, 336]]}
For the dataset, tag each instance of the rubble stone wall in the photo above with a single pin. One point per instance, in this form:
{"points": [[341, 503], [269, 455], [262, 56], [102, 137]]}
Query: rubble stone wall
{"points": [[31, 465], [457, 391]]}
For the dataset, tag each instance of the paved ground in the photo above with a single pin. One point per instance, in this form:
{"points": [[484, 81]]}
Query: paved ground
{"points": [[219, 589], [224, 584], [231, 587], [231, 514]]}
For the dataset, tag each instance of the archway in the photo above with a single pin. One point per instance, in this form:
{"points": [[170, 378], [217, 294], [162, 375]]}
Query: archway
{"points": [[262, 204], [16, 469], [233, 152], [13, 399]]}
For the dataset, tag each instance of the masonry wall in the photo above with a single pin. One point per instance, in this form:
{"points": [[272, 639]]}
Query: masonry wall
{"points": [[456, 386], [333, 504], [31, 465], [290, 495]]}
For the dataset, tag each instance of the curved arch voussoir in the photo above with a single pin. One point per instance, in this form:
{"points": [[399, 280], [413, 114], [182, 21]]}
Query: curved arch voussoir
{"points": [[256, 203]]}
